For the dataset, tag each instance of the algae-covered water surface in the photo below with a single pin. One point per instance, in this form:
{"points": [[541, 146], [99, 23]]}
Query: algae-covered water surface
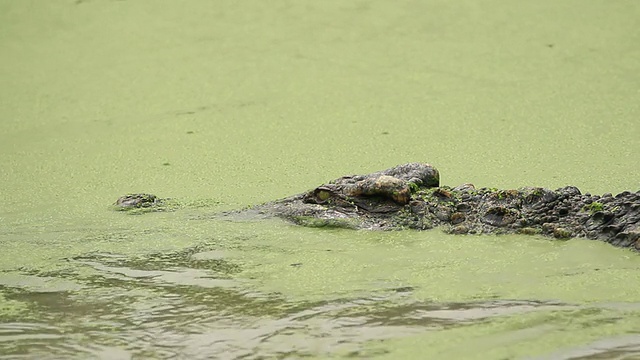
{"points": [[220, 105]]}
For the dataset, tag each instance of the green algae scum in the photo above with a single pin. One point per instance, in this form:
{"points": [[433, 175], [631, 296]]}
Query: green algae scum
{"points": [[218, 106]]}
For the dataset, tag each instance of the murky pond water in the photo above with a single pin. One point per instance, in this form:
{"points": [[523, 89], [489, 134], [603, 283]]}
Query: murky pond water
{"points": [[224, 104]]}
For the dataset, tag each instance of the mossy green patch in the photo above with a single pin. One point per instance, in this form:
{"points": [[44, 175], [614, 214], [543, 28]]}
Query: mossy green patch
{"points": [[414, 187], [594, 207]]}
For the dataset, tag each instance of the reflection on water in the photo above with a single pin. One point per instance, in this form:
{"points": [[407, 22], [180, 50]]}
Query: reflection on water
{"points": [[187, 304], [620, 347]]}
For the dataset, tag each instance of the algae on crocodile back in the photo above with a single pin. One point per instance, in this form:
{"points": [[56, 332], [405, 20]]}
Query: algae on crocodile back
{"points": [[594, 207]]}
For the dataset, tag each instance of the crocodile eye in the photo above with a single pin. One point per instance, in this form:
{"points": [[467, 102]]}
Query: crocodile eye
{"points": [[323, 195]]}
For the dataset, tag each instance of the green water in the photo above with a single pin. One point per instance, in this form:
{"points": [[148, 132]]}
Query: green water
{"points": [[224, 104]]}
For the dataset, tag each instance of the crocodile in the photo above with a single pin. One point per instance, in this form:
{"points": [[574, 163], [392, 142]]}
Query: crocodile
{"points": [[410, 196]]}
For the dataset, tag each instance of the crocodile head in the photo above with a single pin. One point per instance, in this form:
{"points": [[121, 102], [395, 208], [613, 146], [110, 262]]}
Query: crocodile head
{"points": [[393, 185]]}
